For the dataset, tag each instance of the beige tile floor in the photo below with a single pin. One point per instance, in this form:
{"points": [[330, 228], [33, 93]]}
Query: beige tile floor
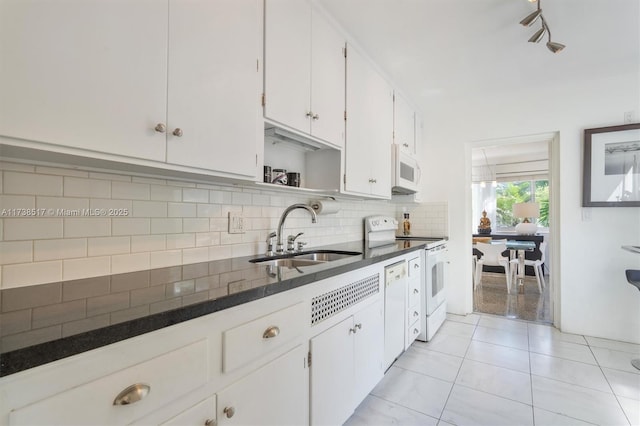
{"points": [[487, 370]]}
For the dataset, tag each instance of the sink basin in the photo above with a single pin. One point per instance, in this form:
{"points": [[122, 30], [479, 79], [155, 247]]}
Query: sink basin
{"points": [[289, 262], [305, 258], [325, 255]]}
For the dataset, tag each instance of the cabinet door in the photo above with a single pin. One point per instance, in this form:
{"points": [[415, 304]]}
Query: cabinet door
{"points": [[403, 124], [368, 350], [85, 74], [332, 374], [287, 74], [201, 414], [327, 81], [214, 84], [276, 394], [369, 128]]}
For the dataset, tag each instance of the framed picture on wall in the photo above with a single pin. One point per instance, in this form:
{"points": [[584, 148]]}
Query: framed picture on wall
{"points": [[611, 173]]}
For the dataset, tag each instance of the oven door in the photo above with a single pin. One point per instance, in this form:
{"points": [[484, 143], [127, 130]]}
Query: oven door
{"points": [[436, 272]]}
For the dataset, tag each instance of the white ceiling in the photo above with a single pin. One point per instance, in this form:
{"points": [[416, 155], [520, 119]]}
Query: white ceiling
{"points": [[436, 48]]}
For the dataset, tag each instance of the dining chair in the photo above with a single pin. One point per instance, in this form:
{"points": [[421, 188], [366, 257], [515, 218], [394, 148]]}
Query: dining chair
{"points": [[536, 264], [492, 256]]}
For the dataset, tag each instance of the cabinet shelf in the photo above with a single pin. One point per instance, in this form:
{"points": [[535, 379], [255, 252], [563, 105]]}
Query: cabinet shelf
{"points": [[285, 188]]}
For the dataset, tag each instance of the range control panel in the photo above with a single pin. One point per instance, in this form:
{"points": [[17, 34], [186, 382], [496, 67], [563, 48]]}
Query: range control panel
{"points": [[380, 230]]}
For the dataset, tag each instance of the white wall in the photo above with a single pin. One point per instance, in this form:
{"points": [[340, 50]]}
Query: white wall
{"points": [[595, 298]]}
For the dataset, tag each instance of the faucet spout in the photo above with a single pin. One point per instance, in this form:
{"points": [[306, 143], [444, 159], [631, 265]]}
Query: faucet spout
{"points": [[285, 213]]}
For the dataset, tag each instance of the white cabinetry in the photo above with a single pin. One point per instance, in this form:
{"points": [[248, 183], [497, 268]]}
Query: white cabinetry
{"points": [[346, 363], [213, 96], [403, 124], [369, 129], [414, 298], [304, 72], [165, 377], [89, 75], [201, 414], [142, 80], [273, 395]]}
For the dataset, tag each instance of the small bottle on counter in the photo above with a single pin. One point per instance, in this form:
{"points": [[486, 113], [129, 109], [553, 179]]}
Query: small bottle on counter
{"points": [[406, 225]]}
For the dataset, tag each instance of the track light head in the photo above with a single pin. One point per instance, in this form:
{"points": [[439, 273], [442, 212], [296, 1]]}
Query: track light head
{"points": [[537, 36], [555, 47], [531, 18]]}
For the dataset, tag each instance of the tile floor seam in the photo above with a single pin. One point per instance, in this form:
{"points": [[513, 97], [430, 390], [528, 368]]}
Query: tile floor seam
{"points": [[491, 393], [567, 359], [572, 384], [403, 406], [453, 385], [498, 366], [421, 373], [611, 387]]}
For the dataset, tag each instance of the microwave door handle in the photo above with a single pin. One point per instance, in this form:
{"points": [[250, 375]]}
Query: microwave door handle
{"points": [[419, 174]]}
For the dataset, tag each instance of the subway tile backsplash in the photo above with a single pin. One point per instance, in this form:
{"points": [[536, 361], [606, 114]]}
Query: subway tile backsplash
{"points": [[66, 224]]}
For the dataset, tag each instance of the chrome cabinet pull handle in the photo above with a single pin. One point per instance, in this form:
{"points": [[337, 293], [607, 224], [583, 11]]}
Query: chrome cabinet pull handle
{"points": [[178, 132], [271, 332], [132, 394], [316, 116], [160, 128], [209, 422], [415, 291]]}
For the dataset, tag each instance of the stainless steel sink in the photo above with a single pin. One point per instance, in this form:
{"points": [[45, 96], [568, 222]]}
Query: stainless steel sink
{"points": [[289, 262], [326, 255], [305, 258]]}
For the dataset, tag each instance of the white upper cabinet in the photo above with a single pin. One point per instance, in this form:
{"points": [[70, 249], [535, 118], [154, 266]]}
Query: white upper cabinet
{"points": [[214, 91], [304, 70], [327, 81], [162, 80], [85, 74], [403, 124], [369, 129]]}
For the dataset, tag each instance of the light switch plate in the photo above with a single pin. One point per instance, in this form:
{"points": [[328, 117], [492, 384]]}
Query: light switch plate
{"points": [[236, 223]]}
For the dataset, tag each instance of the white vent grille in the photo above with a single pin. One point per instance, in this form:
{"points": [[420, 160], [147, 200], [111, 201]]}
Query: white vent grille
{"points": [[328, 304]]}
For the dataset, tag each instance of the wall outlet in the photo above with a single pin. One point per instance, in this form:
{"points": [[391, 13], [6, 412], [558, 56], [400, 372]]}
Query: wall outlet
{"points": [[236, 223], [629, 117]]}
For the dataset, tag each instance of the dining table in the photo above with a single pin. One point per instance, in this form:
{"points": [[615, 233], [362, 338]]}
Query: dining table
{"points": [[517, 250]]}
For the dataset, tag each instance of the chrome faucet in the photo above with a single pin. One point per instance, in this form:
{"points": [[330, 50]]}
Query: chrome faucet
{"points": [[285, 213]]}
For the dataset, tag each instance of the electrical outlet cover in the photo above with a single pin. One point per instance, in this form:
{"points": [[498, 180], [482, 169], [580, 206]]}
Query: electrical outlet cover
{"points": [[236, 223]]}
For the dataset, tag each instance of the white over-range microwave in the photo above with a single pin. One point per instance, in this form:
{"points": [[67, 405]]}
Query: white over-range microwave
{"points": [[405, 172]]}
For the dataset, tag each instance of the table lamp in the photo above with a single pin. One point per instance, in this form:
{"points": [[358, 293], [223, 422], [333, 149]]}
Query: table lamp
{"points": [[526, 211]]}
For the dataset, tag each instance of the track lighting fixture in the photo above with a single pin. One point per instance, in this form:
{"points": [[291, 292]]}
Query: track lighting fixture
{"points": [[544, 29]]}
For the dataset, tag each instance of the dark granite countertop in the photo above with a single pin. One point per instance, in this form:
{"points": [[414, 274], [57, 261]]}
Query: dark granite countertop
{"points": [[48, 322]]}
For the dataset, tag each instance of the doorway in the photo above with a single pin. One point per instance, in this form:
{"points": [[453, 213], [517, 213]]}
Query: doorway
{"points": [[506, 172]]}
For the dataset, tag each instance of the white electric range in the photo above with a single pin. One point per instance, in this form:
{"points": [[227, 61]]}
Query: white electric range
{"points": [[380, 231]]}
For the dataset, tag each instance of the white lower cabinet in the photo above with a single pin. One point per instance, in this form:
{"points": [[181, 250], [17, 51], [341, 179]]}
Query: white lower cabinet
{"points": [[414, 305], [346, 363], [275, 394], [201, 414], [157, 382]]}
